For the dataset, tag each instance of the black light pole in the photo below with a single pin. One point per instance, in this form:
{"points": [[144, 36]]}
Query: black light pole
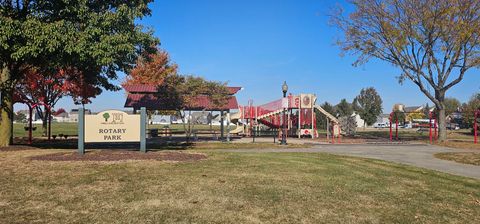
{"points": [[284, 131]]}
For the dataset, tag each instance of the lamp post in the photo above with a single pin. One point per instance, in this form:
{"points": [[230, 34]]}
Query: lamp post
{"points": [[284, 131]]}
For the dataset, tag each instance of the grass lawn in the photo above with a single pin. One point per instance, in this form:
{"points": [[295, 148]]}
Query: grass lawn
{"points": [[414, 134], [232, 187], [461, 157], [460, 144]]}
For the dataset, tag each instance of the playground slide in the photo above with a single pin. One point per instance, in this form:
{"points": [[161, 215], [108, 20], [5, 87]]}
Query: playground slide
{"points": [[235, 117], [268, 124], [331, 117], [239, 130]]}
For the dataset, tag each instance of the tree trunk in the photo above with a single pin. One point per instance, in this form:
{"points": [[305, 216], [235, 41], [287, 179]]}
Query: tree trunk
{"points": [[440, 115], [442, 125], [6, 109], [45, 123]]}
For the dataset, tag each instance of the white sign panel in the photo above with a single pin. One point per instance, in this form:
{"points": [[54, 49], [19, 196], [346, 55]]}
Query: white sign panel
{"points": [[112, 126]]}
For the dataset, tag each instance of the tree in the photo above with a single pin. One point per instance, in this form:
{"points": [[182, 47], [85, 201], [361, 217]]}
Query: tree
{"points": [[20, 117], [348, 125], [179, 92], [153, 69], [321, 118], [469, 110], [398, 115], [101, 37], [433, 43], [451, 105], [47, 87], [426, 110], [368, 104], [415, 115], [343, 108]]}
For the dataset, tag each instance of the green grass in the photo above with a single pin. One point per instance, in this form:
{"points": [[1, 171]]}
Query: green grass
{"points": [[57, 128], [232, 188], [472, 158]]}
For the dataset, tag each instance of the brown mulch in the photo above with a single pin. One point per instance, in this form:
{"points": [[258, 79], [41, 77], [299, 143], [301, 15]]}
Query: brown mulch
{"points": [[116, 155], [16, 148]]}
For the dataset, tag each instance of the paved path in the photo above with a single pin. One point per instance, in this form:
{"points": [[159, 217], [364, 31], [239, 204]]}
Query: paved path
{"points": [[412, 154]]}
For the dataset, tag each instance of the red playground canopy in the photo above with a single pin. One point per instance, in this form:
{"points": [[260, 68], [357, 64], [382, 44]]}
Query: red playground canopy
{"points": [[145, 95]]}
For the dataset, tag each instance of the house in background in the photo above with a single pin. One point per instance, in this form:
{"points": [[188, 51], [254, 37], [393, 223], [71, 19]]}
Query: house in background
{"points": [[73, 115], [36, 118], [360, 122], [383, 120], [61, 117]]}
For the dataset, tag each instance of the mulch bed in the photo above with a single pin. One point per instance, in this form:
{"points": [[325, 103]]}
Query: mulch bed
{"points": [[116, 155]]}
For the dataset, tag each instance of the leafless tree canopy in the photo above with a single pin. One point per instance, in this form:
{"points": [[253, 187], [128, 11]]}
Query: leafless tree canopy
{"points": [[433, 42]]}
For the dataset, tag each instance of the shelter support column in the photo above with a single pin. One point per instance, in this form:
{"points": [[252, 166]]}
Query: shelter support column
{"points": [[228, 125], [221, 125]]}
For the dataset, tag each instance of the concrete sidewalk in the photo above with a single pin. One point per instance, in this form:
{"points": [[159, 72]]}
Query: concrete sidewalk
{"points": [[411, 154]]}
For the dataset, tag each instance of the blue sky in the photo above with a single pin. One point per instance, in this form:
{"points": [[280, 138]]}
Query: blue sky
{"points": [[257, 44]]}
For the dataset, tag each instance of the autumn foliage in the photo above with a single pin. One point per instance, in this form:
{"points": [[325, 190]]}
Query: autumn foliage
{"points": [[153, 69]]}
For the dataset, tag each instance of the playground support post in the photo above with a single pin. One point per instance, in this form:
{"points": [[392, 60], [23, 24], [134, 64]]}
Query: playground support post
{"points": [[391, 117], [475, 126], [333, 134], [339, 134], [396, 128], [328, 129]]}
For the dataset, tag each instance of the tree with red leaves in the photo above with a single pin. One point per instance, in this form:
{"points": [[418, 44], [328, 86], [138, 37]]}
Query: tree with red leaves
{"points": [[154, 69], [46, 88], [181, 92]]}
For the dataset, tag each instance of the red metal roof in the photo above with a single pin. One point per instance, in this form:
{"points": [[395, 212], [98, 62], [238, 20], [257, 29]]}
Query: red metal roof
{"points": [[140, 88], [148, 88], [154, 102], [233, 90]]}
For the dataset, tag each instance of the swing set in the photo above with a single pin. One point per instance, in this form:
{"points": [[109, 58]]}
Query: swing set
{"points": [[30, 127]]}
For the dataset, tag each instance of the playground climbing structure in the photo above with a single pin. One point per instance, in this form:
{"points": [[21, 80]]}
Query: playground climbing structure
{"points": [[298, 112]]}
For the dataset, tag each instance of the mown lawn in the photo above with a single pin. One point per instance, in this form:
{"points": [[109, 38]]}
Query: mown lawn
{"points": [[472, 158], [232, 187]]}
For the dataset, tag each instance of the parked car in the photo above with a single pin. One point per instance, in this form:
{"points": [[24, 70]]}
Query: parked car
{"points": [[381, 125], [453, 126]]}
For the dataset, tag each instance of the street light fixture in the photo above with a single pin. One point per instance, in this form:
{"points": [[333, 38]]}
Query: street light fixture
{"points": [[284, 131]]}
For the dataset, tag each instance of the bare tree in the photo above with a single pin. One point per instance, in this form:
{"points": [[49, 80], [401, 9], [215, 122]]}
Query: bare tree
{"points": [[433, 42]]}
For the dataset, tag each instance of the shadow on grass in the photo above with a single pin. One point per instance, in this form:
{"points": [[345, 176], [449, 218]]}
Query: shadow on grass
{"points": [[152, 145]]}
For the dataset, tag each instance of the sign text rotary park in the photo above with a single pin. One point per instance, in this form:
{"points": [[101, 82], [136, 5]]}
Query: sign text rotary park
{"points": [[111, 126]]}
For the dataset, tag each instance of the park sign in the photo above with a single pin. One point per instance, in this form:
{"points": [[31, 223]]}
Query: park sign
{"points": [[111, 126]]}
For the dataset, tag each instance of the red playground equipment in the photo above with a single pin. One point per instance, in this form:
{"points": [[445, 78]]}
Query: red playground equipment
{"points": [[298, 111]]}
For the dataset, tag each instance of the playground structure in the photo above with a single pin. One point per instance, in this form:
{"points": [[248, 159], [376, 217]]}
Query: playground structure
{"points": [[297, 111]]}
